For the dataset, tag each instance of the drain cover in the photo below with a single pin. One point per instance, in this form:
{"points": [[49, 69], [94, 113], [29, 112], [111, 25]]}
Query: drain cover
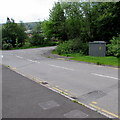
{"points": [[92, 96], [44, 83], [74, 97]]}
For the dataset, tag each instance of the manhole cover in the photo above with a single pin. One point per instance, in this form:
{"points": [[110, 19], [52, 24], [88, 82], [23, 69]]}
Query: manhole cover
{"points": [[92, 96]]}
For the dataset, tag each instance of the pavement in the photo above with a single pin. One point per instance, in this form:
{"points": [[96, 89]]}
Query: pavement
{"points": [[24, 98], [94, 86]]}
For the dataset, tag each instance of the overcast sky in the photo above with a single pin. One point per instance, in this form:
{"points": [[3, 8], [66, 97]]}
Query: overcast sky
{"points": [[25, 10]]}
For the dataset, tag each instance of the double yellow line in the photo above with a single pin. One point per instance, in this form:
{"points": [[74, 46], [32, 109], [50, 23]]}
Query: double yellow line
{"points": [[105, 111]]}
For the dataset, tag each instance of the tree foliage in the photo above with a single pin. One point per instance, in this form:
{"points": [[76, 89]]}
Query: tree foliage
{"points": [[37, 39], [13, 34], [114, 47], [57, 22], [75, 22], [84, 21], [72, 46], [105, 21]]}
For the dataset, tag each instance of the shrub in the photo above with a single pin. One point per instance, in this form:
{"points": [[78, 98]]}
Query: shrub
{"points": [[72, 46], [37, 39], [7, 46], [114, 47]]}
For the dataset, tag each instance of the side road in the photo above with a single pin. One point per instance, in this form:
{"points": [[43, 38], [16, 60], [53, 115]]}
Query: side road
{"points": [[23, 98]]}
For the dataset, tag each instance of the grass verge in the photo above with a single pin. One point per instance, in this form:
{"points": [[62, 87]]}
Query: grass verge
{"points": [[108, 60]]}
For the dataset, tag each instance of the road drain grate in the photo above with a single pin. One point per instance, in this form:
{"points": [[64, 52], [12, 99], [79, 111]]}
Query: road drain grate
{"points": [[44, 83], [92, 96], [74, 98]]}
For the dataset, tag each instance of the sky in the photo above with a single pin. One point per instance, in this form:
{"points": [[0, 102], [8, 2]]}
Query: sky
{"points": [[25, 10]]}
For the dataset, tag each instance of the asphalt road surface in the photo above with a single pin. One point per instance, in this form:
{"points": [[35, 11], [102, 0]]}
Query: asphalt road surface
{"points": [[93, 85], [23, 98]]}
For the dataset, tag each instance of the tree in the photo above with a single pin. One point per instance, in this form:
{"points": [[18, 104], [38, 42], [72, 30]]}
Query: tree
{"points": [[9, 33], [114, 46], [13, 33], [57, 21], [47, 29], [37, 28], [73, 21], [21, 35], [37, 39], [105, 21], [90, 22]]}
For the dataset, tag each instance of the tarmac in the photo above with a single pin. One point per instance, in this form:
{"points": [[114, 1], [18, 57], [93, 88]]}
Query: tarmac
{"points": [[24, 98]]}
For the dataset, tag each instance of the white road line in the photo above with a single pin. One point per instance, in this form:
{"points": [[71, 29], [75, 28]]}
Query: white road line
{"points": [[105, 76], [37, 61], [19, 57], [33, 61], [30, 60], [61, 67], [1, 56]]}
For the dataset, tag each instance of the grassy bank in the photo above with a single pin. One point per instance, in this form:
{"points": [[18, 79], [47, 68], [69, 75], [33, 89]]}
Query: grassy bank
{"points": [[108, 60]]}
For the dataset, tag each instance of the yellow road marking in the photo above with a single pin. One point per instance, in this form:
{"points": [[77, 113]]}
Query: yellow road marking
{"points": [[113, 67], [98, 108], [57, 89], [14, 68], [111, 113], [66, 90], [105, 111], [94, 102], [60, 58], [60, 91]]}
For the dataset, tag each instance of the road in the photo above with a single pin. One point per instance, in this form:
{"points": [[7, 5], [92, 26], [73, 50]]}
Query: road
{"points": [[23, 98], [93, 85]]}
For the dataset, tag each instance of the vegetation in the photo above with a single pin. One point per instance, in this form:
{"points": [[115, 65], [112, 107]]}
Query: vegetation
{"points": [[72, 46], [113, 61], [114, 46], [72, 25], [15, 37], [85, 22], [37, 39], [109, 60], [12, 34]]}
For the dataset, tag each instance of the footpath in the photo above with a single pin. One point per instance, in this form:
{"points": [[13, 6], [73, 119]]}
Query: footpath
{"points": [[24, 98]]}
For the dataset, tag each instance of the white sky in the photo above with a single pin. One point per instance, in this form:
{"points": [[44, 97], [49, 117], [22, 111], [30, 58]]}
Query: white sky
{"points": [[25, 10]]}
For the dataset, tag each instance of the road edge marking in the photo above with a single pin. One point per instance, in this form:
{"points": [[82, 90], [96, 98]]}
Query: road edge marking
{"points": [[105, 111]]}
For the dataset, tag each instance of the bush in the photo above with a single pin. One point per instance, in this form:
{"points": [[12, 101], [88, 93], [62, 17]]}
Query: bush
{"points": [[114, 47], [7, 46], [72, 46], [37, 39]]}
